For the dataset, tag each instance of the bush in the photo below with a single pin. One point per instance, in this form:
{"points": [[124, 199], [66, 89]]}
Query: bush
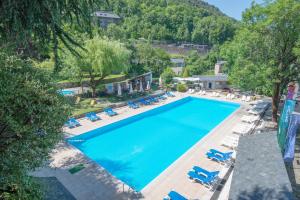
{"points": [[167, 75], [181, 88]]}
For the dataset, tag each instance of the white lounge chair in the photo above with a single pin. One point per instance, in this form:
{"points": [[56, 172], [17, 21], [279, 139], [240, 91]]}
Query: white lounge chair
{"points": [[256, 111], [228, 96], [250, 119], [230, 142], [244, 98], [248, 99], [232, 96], [191, 91], [243, 129], [261, 106]]}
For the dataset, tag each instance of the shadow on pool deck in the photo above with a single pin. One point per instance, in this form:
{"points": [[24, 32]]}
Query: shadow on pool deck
{"points": [[92, 182]]}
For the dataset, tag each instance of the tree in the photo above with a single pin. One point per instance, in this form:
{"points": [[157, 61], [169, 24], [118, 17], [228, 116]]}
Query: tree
{"points": [[262, 53], [31, 116], [30, 25], [152, 59], [167, 75], [186, 72], [101, 58]]}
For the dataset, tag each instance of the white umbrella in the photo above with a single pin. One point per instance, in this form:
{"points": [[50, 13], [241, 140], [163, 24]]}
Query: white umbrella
{"points": [[119, 90], [141, 87], [130, 88], [148, 85], [160, 82]]}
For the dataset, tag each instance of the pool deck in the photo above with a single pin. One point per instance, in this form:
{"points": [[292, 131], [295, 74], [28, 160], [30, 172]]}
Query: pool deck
{"points": [[94, 182]]}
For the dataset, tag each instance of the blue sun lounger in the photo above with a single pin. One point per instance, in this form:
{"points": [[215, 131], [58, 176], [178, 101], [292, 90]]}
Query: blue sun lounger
{"points": [[162, 97], [132, 105], [174, 196], [219, 156], [214, 151], [169, 94], [72, 123], [110, 112], [200, 170], [144, 102], [203, 179], [92, 116], [153, 100]]}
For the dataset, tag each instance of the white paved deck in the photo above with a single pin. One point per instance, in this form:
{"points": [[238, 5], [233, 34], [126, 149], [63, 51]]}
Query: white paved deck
{"points": [[93, 182]]}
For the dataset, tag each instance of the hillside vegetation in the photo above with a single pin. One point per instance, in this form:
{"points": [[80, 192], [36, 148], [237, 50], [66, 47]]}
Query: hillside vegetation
{"points": [[171, 20]]}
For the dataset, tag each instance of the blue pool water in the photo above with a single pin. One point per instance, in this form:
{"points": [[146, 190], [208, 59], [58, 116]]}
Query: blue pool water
{"points": [[139, 148], [66, 92]]}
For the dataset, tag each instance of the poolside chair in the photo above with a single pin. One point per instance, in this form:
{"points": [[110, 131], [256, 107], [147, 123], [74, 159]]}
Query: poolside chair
{"points": [[170, 94], [230, 142], [243, 129], [144, 102], [110, 112], [219, 156], [232, 96], [204, 172], [248, 99], [162, 97], [243, 98], [228, 96], [250, 119], [174, 196], [206, 180], [72, 123], [256, 111], [153, 100], [132, 105], [191, 91], [92, 116]]}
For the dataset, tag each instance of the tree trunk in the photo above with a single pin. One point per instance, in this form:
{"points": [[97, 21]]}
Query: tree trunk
{"points": [[93, 85], [275, 101]]}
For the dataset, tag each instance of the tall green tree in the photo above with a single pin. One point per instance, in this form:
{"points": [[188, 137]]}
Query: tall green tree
{"points": [[31, 116], [263, 52], [101, 58], [31, 26]]}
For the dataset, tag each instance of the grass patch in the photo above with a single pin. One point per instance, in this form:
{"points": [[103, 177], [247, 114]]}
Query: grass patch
{"points": [[76, 168]]}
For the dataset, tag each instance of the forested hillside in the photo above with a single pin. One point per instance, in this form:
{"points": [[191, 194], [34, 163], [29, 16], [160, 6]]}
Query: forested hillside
{"points": [[171, 20]]}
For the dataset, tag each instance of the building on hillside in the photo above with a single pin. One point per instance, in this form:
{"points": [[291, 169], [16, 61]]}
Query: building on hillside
{"points": [[104, 18], [177, 65], [207, 82], [219, 67]]}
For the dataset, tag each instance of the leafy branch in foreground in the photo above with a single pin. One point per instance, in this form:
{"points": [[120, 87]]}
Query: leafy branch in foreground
{"points": [[32, 24], [31, 116]]}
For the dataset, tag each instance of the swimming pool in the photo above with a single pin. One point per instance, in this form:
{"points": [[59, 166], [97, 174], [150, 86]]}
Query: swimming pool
{"points": [[66, 92], [139, 148]]}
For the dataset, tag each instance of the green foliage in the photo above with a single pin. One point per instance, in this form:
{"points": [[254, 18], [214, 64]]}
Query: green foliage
{"points": [[201, 64], [31, 116], [186, 72], [31, 25], [146, 58], [181, 87], [101, 58], [263, 54], [172, 20], [167, 75]]}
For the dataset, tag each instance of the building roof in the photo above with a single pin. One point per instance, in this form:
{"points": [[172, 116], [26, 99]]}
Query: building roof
{"points": [[177, 60], [259, 170], [221, 77], [106, 14]]}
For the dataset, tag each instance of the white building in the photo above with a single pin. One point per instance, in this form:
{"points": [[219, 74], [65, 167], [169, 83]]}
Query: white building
{"points": [[217, 81], [178, 65]]}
